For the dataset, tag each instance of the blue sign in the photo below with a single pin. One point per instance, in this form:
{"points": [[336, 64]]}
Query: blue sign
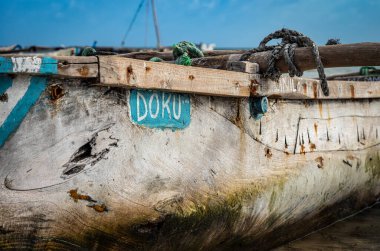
{"points": [[156, 109]]}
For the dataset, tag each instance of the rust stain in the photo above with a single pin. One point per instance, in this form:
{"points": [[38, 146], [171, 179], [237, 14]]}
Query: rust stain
{"points": [[315, 90], [100, 208], [351, 157], [352, 89], [56, 92], [238, 121], [312, 147], [328, 114], [254, 82], [77, 196], [304, 88], [303, 149], [253, 89], [320, 108], [83, 71], [275, 96], [191, 77], [268, 153], [319, 160], [147, 68], [4, 97], [316, 128], [129, 73]]}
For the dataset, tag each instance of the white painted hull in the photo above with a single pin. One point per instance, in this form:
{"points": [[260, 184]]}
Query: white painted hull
{"points": [[224, 181]]}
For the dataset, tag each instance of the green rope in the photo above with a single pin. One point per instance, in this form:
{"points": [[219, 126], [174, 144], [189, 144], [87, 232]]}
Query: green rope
{"points": [[156, 59], [365, 70], [88, 51], [184, 51]]}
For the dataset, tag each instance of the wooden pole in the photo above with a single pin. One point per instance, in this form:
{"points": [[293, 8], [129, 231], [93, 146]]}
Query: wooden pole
{"points": [[345, 55], [360, 54]]}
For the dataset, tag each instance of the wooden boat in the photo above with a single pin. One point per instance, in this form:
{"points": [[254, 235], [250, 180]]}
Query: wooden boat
{"points": [[195, 162]]}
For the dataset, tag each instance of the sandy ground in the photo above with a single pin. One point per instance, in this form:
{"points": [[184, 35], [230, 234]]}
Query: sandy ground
{"points": [[359, 232]]}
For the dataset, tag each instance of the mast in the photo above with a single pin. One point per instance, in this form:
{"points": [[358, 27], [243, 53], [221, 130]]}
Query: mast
{"points": [[156, 24]]}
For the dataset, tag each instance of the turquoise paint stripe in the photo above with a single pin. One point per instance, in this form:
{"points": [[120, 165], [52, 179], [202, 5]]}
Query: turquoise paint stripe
{"points": [[21, 109], [48, 65], [5, 83], [6, 65]]}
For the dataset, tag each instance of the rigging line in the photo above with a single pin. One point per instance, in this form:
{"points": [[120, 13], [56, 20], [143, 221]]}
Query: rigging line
{"points": [[146, 24], [132, 22], [156, 24]]}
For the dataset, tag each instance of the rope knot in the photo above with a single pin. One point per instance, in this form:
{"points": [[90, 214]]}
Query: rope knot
{"points": [[290, 39]]}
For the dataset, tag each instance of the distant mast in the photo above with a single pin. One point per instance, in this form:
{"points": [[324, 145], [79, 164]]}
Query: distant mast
{"points": [[156, 25]]}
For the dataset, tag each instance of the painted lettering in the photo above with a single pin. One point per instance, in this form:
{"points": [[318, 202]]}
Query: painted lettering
{"points": [[154, 115], [158, 109], [177, 114], [165, 105], [141, 97]]}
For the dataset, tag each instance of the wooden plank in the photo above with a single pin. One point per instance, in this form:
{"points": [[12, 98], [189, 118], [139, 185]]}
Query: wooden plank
{"points": [[115, 71], [126, 72], [78, 67], [243, 66], [302, 88], [132, 73], [168, 55]]}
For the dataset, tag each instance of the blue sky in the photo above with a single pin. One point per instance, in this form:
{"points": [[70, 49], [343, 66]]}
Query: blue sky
{"points": [[229, 23]]}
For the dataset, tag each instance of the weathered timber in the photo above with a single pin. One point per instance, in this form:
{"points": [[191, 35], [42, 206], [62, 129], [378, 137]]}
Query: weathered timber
{"points": [[80, 174], [63, 66], [302, 88], [359, 54], [168, 55], [132, 73]]}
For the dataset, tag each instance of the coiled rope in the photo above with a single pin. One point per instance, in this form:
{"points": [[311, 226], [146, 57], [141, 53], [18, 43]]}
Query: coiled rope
{"points": [[290, 40], [184, 51]]}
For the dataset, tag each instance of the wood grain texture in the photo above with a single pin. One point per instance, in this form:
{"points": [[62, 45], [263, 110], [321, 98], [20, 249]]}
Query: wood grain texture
{"points": [[150, 75], [343, 55], [225, 182], [168, 55], [132, 73], [303, 88]]}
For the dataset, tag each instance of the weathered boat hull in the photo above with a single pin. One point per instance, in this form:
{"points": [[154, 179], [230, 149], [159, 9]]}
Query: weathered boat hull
{"points": [[79, 174]]}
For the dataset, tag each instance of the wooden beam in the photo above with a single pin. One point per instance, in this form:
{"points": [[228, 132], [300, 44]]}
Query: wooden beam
{"points": [[343, 55], [302, 88], [132, 73], [168, 55], [77, 67]]}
